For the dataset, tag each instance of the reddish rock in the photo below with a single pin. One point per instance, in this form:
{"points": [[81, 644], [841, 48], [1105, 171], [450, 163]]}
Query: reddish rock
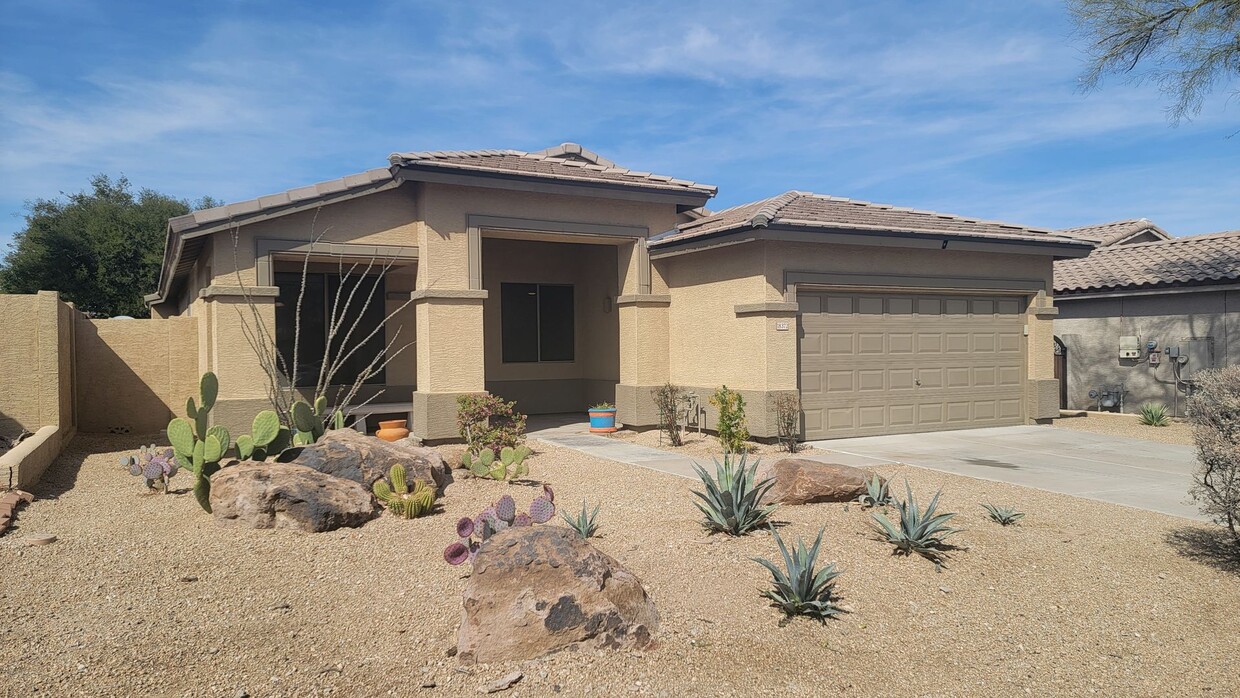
{"points": [[540, 589], [351, 455], [799, 481], [282, 495]]}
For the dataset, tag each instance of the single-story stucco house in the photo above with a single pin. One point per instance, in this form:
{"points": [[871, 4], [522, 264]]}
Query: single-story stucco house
{"points": [[1136, 321], [558, 279]]}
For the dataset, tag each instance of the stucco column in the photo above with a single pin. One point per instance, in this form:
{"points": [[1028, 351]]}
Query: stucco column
{"points": [[450, 357], [1042, 395], [229, 354]]}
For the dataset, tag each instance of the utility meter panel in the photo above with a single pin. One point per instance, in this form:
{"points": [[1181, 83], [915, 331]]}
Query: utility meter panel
{"points": [[1129, 347]]}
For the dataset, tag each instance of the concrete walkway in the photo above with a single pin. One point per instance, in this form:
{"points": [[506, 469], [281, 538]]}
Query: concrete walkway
{"points": [[1133, 472]]}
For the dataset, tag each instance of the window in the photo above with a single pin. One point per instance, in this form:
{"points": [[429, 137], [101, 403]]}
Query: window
{"points": [[536, 322], [316, 307]]}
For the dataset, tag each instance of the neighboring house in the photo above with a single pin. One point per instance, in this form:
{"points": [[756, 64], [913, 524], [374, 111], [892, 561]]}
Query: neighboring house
{"points": [[1137, 321], [1118, 233], [558, 279]]}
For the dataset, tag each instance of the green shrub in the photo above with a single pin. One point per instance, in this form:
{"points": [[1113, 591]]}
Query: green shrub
{"points": [[488, 423], [1214, 412], [800, 587], [1154, 414], [732, 501], [919, 531], [672, 403], [788, 420], [1004, 516], [731, 427]]}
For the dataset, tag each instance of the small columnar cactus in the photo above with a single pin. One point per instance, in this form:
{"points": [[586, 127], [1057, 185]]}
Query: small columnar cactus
{"points": [[400, 499], [501, 515], [155, 466], [510, 464]]}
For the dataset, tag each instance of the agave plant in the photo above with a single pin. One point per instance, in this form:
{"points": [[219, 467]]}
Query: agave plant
{"points": [[919, 531], [1154, 414], [732, 501], [1004, 516], [801, 588], [585, 524], [876, 493]]}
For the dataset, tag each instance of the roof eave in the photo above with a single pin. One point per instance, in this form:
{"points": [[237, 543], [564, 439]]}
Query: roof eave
{"points": [[441, 173], [1059, 248]]}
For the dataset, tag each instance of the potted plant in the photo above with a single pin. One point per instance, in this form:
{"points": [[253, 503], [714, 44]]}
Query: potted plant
{"points": [[603, 418]]}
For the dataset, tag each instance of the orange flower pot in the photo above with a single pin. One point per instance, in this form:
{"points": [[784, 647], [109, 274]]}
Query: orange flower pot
{"points": [[392, 430]]}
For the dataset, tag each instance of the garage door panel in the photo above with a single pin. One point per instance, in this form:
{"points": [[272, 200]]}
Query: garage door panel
{"points": [[889, 363]]}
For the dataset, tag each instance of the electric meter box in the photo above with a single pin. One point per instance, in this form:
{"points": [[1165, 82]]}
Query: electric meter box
{"points": [[1129, 347]]}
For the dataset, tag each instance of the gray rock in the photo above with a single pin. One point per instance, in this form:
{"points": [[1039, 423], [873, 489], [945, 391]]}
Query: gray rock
{"points": [[282, 495], [354, 456]]}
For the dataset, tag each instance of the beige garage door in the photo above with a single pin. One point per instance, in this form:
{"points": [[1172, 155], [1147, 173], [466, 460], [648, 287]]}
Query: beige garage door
{"points": [[876, 363]]}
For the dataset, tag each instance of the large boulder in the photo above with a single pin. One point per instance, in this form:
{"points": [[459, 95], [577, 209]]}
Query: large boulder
{"points": [[535, 590], [355, 456], [281, 495], [799, 481]]}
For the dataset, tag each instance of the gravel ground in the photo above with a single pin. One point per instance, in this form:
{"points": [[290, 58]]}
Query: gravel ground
{"points": [[1178, 432], [145, 595], [697, 445]]}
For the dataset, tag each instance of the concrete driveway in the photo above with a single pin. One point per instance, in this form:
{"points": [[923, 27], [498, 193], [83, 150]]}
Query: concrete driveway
{"points": [[1132, 472]]}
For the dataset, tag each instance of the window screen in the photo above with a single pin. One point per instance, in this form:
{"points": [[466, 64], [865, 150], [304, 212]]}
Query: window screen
{"points": [[316, 308]]}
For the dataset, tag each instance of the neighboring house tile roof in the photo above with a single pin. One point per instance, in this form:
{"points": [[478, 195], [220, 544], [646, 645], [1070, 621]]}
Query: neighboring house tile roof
{"points": [[567, 161], [798, 209], [1107, 234], [291, 197], [1186, 261]]}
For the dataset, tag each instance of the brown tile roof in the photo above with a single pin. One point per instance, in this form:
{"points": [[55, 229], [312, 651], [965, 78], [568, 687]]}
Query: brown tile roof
{"points": [[1106, 234], [292, 197], [805, 210], [1176, 262], [567, 161]]}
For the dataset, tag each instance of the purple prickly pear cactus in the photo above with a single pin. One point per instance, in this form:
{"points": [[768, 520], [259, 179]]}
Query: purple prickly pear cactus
{"points": [[465, 528], [523, 519], [541, 510], [506, 508]]}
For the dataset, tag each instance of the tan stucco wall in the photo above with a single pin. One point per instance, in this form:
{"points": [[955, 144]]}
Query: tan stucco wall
{"points": [[711, 344], [36, 379], [134, 375]]}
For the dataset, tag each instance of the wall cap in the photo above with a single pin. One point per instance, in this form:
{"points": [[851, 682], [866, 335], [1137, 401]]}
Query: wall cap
{"points": [[644, 299], [449, 293], [1045, 312], [771, 307], [214, 291]]}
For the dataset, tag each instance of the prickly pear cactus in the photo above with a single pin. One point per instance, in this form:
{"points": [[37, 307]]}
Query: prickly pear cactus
{"points": [[155, 467], [499, 516], [509, 465], [269, 437], [197, 446]]}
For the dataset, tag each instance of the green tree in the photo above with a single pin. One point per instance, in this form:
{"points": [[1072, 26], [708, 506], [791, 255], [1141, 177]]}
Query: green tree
{"points": [[1186, 48], [101, 249]]}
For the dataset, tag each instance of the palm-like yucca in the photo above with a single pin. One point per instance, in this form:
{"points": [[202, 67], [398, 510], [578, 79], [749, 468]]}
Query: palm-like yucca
{"points": [[732, 501], [919, 531], [1004, 516], [1154, 414], [800, 588], [876, 493]]}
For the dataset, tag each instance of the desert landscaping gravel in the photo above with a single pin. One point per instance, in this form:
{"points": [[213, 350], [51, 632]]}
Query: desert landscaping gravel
{"points": [[700, 445], [1177, 432], [144, 595]]}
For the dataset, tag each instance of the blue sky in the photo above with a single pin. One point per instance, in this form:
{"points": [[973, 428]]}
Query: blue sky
{"points": [[962, 107]]}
